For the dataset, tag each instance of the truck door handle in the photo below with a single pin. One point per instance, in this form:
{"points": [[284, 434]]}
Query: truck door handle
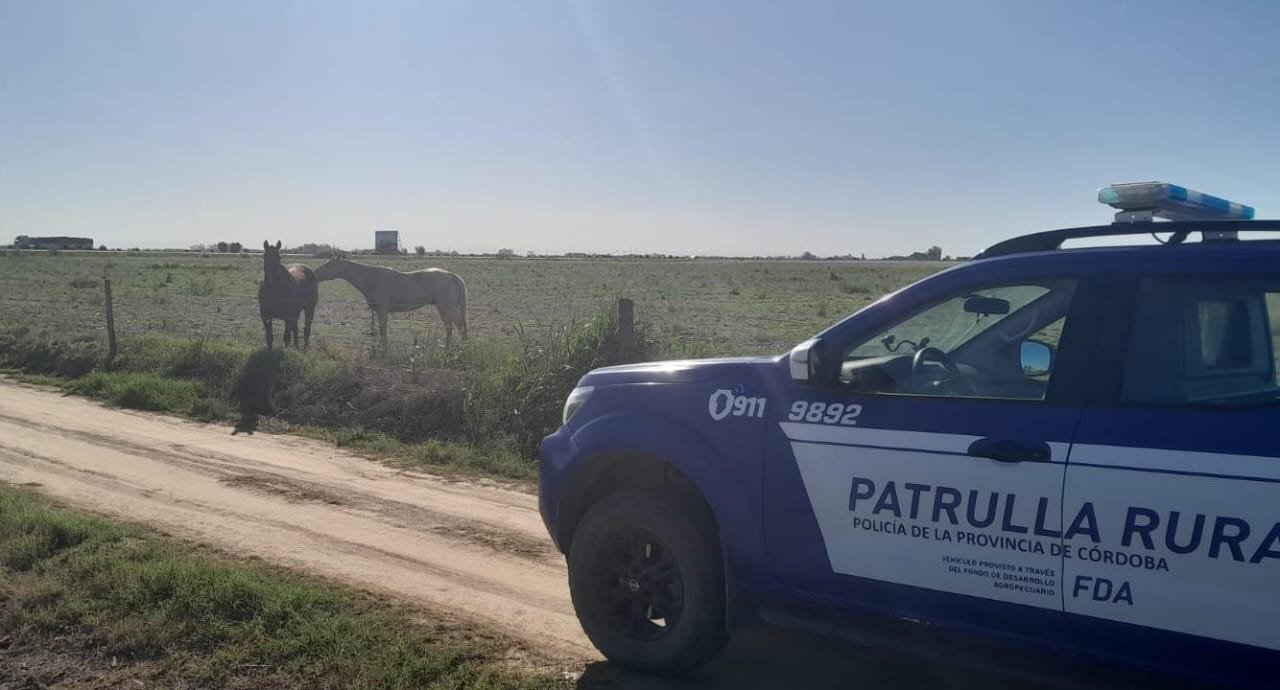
{"points": [[1005, 450]]}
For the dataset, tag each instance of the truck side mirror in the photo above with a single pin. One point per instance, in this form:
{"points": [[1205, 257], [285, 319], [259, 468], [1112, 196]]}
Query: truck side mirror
{"points": [[801, 361], [808, 361], [1035, 357]]}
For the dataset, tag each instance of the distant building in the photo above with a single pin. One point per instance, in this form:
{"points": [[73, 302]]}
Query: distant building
{"points": [[386, 241], [24, 242]]}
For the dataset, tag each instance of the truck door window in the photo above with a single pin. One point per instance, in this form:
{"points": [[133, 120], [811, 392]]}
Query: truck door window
{"points": [[968, 345], [1210, 340]]}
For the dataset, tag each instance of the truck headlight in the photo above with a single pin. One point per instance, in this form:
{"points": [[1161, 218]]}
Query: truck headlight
{"points": [[575, 401]]}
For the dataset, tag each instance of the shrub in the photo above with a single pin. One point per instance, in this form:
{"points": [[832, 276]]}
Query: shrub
{"points": [[215, 364], [521, 398], [256, 381], [39, 353]]}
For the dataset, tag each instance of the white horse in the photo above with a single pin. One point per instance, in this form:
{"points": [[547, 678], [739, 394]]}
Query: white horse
{"points": [[387, 290]]}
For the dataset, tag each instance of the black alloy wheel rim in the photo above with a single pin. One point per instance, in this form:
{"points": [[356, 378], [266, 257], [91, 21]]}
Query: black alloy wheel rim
{"points": [[640, 585]]}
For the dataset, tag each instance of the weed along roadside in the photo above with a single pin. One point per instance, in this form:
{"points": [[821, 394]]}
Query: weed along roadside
{"points": [[473, 408], [89, 602]]}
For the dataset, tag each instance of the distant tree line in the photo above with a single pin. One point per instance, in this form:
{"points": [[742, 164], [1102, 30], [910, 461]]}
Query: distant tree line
{"points": [[325, 251], [222, 247]]}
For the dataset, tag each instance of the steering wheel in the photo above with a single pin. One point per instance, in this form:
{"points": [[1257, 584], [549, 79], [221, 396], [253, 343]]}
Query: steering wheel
{"points": [[932, 354]]}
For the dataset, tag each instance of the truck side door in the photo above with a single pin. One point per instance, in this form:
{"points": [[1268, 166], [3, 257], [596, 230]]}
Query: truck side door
{"points": [[928, 484]]}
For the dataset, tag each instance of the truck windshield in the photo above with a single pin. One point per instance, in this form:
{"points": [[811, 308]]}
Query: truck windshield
{"points": [[948, 324]]}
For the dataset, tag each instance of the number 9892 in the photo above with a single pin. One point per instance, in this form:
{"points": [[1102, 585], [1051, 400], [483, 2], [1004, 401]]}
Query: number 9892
{"points": [[824, 413]]}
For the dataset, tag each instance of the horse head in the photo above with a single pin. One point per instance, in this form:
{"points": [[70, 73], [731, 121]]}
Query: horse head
{"points": [[272, 267], [335, 267]]}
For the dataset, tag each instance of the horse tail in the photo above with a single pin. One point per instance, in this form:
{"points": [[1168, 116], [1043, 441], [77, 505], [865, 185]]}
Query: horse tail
{"points": [[462, 305]]}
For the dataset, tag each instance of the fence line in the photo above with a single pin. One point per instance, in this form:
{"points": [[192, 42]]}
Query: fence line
{"points": [[106, 312]]}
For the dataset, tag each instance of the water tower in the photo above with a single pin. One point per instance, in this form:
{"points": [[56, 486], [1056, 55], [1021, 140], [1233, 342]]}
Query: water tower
{"points": [[386, 241]]}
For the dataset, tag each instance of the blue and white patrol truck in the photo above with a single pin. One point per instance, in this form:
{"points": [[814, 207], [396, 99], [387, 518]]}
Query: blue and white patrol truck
{"points": [[1075, 448]]}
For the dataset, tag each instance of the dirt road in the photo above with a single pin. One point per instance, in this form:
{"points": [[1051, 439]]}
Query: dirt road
{"points": [[479, 551]]}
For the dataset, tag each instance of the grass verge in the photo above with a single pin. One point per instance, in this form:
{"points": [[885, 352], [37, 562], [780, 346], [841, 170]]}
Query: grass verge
{"points": [[448, 457], [72, 579]]}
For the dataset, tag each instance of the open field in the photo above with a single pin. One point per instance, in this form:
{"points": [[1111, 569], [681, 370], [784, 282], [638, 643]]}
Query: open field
{"points": [[722, 307]]}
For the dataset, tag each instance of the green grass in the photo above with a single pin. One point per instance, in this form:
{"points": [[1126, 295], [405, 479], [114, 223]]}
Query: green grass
{"points": [[213, 622], [481, 459], [140, 391]]}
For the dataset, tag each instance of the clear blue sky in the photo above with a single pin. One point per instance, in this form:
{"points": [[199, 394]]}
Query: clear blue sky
{"points": [[686, 126]]}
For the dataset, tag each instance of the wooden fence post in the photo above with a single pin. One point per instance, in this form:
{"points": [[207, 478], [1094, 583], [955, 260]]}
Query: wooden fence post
{"points": [[111, 320], [627, 328]]}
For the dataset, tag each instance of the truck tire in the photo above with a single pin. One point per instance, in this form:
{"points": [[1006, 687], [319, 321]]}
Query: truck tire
{"points": [[647, 582]]}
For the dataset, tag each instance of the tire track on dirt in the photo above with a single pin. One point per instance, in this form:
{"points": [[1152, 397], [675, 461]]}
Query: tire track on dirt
{"points": [[236, 471], [32, 460]]}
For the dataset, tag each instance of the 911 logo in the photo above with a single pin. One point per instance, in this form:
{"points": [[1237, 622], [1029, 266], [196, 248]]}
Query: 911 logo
{"points": [[725, 403]]}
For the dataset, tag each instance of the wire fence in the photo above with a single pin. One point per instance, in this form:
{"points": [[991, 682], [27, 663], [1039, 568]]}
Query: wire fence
{"points": [[344, 324], [349, 325]]}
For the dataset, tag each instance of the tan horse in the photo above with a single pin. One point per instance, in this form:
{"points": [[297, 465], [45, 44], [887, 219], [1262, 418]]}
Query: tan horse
{"points": [[285, 292], [387, 290]]}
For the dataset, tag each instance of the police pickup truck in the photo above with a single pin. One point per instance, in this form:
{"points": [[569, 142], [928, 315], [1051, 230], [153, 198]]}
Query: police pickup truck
{"points": [[1077, 448]]}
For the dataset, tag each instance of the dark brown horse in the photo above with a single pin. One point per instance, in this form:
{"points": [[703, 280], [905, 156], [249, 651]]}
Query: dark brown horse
{"points": [[285, 292]]}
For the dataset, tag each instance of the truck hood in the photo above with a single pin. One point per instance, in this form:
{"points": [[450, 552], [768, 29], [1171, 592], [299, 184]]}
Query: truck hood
{"points": [[674, 371]]}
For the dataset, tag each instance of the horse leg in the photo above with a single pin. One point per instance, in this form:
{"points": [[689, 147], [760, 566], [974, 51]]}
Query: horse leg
{"points": [[306, 333], [266, 326], [373, 321], [447, 316], [291, 331], [382, 327]]}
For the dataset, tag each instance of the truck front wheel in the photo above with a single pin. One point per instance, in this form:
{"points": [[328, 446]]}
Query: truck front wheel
{"points": [[647, 582]]}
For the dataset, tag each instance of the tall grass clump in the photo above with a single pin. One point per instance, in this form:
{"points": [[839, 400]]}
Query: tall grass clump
{"points": [[520, 397], [350, 391], [52, 355], [141, 391], [215, 364]]}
